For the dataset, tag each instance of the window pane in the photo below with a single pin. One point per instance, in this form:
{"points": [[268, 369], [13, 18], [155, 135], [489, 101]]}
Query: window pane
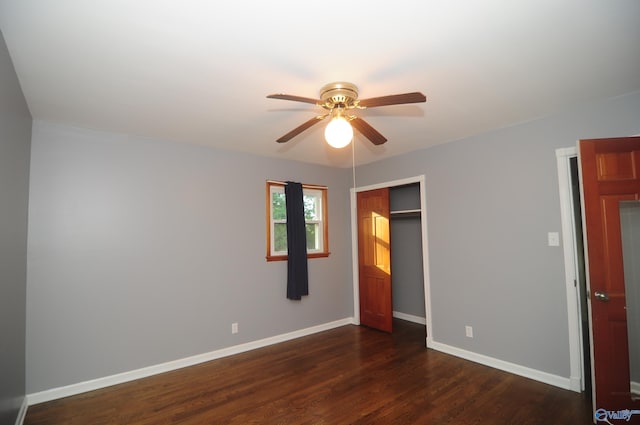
{"points": [[278, 206], [280, 236], [312, 236], [311, 207]]}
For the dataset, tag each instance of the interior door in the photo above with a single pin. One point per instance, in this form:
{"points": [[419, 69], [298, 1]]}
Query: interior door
{"points": [[374, 259], [610, 171]]}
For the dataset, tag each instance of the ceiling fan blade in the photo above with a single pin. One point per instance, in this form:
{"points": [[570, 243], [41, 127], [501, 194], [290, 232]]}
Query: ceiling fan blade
{"points": [[367, 131], [294, 98], [394, 99], [293, 133]]}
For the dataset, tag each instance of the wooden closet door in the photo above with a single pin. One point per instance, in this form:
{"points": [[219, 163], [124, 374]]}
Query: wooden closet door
{"points": [[374, 258]]}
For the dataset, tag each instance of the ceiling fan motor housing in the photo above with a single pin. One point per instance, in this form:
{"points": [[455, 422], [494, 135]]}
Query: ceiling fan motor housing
{"points": [[339, 94]]}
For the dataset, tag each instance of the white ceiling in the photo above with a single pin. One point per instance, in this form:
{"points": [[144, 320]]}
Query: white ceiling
{"points": [[198, 71]]}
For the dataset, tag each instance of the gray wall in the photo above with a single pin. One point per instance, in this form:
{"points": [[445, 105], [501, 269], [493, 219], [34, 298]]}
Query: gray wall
{"points": [[145, 251], [491, 200], [630, 227], [15, 142]]}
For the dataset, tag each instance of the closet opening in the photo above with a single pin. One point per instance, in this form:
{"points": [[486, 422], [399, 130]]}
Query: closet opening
{"points": [[406, 253]]}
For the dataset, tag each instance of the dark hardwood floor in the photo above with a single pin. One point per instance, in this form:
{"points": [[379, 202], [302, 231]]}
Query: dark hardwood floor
{"points": [[349, 375]]}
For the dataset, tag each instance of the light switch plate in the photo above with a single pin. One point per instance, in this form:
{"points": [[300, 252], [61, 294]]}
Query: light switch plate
{"points": [[553, 238]]}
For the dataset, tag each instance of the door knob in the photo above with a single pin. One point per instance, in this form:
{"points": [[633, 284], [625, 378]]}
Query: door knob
{"points": [[601, 296]]}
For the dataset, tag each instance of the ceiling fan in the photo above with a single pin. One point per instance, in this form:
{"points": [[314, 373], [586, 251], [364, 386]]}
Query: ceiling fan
{"points": [[338, 99]]}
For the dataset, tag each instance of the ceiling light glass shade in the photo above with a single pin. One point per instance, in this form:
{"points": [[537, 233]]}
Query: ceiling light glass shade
{"points": [[338, 132]]}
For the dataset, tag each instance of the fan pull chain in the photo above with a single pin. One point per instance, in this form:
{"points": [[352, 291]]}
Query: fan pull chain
{"points": [[353, 161]]}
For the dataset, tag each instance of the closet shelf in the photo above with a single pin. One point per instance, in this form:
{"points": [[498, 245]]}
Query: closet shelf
{"points": [[405, 212]]}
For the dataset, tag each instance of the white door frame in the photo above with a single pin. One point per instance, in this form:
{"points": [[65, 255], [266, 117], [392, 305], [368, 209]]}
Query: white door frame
{"points": [[576, 358], [425, 254]]}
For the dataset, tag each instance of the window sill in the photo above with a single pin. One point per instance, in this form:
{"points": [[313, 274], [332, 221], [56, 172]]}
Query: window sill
{"points": [[285, 258]]}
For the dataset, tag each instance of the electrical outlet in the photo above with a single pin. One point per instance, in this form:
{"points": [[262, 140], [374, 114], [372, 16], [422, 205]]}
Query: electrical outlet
{"points": [[234, 328], [468, 330]]}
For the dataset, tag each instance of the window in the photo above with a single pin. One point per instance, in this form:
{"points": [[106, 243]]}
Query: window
{"points": [[315, 212]]}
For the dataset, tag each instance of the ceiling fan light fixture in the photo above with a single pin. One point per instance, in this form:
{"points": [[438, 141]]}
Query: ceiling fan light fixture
{"points": [[338, 132]]}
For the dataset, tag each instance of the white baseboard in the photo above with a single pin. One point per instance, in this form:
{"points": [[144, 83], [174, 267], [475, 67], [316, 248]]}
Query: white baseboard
{"points": [[107, 381], [575, 384], [410, 318], [537, 375], [22, 413], [635, 387]]}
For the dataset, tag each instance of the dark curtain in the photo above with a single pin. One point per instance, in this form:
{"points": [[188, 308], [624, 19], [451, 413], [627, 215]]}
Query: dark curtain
{"points": [[297, 273]]}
